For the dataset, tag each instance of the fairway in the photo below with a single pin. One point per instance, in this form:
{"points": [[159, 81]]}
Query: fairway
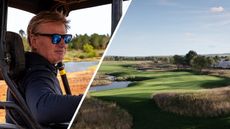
{"points": [[136, 99]]}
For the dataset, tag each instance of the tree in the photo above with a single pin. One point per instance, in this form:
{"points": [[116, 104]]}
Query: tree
{"points": [[226, 58], [199, 62], [85, 39], [216, 59], [179, 60], [79, 41], [95, 40], [24, 40], [76, 43], [210, 61], [22, 33], [189, 56], [104, 40]]}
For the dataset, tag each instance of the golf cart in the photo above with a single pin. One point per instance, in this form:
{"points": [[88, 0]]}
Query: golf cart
{"points": [[12, 60]]}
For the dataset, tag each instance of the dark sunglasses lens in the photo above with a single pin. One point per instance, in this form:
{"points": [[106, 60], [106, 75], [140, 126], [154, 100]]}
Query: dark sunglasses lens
{"points": [[56, 39], [67, 38]]}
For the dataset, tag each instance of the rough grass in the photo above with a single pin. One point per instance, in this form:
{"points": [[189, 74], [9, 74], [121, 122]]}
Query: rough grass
{"points": [[205, 103], [149, 66], [101, 79], [3, 89], [97, 114]]}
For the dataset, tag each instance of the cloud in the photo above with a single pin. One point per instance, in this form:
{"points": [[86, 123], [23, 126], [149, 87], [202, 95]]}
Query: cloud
{"points": [[188, 34], [219, 9], [167, 2]]}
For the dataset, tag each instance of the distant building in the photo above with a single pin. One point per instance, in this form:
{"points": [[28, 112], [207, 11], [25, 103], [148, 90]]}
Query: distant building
{"points": [[223, 64]]}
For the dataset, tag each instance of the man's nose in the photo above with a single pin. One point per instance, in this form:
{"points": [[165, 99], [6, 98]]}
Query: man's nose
{"points": [[62, 42]]}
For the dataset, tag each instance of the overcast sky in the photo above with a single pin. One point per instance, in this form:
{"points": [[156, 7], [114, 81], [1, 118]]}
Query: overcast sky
{"points": [[169, 27], [91, 20]]}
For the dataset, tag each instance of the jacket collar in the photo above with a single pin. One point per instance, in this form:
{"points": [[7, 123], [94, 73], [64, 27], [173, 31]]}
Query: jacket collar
{"points": [[34, 59]]}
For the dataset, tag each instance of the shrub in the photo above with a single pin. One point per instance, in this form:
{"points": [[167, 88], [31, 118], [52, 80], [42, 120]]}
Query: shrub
{"points": [[205, 103], [82, 56], [97, 114], [91, 54], [101, 82], [88, 48], [125, 78]]}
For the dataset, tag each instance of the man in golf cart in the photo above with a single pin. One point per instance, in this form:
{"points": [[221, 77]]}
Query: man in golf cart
{"points": [[39, 86]]}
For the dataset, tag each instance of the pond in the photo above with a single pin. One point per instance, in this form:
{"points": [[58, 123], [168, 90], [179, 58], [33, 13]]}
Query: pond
{"points": [[78, 66], [113, 85]]}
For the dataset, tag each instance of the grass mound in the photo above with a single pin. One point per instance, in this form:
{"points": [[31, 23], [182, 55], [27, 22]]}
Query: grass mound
{"points": [[97, 114], [205, 103], [101, 79]]}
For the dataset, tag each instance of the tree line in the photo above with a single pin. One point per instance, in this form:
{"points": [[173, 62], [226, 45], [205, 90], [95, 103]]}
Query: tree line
{"points": [[80, 41], [165, 59], [190, 60], [195, 61], [95, 40]]}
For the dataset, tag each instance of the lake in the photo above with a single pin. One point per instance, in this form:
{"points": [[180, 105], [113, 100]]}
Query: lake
{"points": [[78, 66], [113, 85]]}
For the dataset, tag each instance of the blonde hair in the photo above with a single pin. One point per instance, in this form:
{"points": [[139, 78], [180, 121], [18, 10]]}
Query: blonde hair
{"points": [[44, 17]]}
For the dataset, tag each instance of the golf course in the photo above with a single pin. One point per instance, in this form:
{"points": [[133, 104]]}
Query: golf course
{"points": [[137, 98]]}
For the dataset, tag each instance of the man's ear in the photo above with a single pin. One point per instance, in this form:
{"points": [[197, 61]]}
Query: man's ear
{"points": [[33, 42]]}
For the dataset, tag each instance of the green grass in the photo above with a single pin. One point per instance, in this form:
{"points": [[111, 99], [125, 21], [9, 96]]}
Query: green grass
{"points": [[136, 99]]}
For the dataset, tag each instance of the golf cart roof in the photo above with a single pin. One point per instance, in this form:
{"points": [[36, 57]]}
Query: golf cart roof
{"points": [[35, 6]]}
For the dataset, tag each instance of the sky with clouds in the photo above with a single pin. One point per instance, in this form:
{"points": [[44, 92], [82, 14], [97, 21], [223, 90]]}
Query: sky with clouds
{"points": [[169, 27]]}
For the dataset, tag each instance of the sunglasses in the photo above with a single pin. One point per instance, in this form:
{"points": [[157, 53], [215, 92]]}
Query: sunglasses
{"points": [[56, 38]]}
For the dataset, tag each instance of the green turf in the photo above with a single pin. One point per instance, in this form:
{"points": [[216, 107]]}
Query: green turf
{"points": [[136, 99]]}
